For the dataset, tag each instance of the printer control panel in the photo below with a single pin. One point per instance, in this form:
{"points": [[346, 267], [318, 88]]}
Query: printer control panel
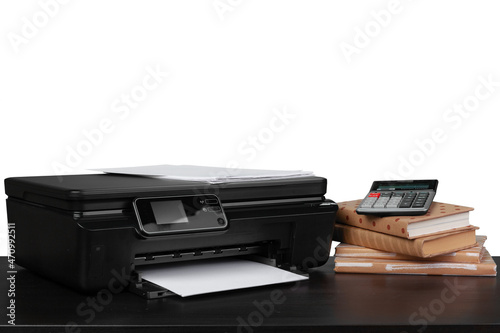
{"points": [[179, 214]]}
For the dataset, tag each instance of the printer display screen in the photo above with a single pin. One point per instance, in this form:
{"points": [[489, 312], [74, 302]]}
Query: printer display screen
{"points": [[191, 213], [167, 212]]}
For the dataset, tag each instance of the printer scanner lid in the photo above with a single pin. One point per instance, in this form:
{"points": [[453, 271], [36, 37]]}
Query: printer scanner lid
{"points": [[112, 191]]}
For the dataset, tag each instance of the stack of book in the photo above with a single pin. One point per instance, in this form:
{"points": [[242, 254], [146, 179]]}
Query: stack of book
{"points": [[441, 242]]}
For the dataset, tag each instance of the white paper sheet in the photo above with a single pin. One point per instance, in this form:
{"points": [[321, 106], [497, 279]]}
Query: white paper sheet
{"points": [[206, 174], [213, 275]]}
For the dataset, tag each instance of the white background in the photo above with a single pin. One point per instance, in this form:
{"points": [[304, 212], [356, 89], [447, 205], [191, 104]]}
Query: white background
{"points": [[233, 66]]}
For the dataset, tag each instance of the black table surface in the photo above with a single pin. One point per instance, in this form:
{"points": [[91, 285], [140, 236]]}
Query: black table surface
{"points": [[327, 302]]}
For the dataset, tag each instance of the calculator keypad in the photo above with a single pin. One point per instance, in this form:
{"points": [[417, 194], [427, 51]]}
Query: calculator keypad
{"points": [[395, 200]]}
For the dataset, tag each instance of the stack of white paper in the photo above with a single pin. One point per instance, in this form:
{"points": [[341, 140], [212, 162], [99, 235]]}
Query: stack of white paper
{"points": [[214, 275], [206, 174]]}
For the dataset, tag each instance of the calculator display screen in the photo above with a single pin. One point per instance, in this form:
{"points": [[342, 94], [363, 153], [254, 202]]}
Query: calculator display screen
{"points": [[402, 187]]}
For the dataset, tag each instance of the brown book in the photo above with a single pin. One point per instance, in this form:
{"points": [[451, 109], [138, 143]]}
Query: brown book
{"points": [[471, 255], [422, 247], [441, 218], [486, 267]]}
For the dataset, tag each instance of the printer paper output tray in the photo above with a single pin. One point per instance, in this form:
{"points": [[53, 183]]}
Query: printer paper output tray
{"points": [[85, 232], [149, 290]]}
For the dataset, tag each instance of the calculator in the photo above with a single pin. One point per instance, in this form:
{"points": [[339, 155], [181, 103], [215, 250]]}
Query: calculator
{"points": [[399, 197]]}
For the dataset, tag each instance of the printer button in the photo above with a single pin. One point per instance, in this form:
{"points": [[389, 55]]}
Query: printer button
{"points": [[211, 201]]}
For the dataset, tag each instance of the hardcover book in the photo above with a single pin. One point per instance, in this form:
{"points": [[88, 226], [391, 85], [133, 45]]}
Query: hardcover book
{"points": [[441, 218], [424, 247], [471, 255], [486, 267]]}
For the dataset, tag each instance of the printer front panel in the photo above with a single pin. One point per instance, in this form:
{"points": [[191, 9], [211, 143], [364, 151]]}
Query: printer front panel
{"points": [[296, 234], [89, 250]]}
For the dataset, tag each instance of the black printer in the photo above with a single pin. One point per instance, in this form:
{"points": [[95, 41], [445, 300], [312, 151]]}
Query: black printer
{"points": [[79, 230]]}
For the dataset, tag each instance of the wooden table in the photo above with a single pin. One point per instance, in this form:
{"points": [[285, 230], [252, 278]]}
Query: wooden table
{"points": [[328, 302]]}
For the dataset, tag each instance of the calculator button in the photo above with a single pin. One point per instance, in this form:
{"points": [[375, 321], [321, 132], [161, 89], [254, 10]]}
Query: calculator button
{"points": [[381, 202], [394, 202], [368, 202], [407, 200], [374, 195], [420, 200]]}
